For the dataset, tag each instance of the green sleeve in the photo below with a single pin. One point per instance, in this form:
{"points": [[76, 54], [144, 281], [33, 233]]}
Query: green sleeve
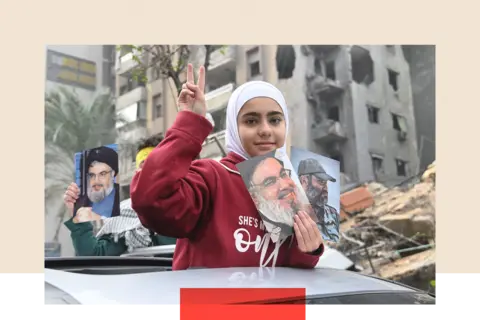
{"points": [[86, 244], [159, 240]]}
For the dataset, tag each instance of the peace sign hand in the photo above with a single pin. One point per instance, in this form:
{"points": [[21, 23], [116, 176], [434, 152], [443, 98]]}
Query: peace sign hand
{"points": [[192, 97]]}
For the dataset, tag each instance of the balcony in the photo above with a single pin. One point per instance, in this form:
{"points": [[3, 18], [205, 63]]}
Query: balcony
{"points": [[320, 85], [125, 63], [222, 57], [129, 98], [218, 98], [222, 67], [132, 117], [328, 131], [210, 147]]}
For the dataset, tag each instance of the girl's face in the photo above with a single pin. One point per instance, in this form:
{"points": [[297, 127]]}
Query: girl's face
{"points": [[261, 126]]}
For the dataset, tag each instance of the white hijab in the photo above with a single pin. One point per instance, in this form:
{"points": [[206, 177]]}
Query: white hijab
{"points": [[244, 93]]}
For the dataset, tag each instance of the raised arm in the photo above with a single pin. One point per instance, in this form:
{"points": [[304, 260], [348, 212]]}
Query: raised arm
{"points": [[170, 193]]}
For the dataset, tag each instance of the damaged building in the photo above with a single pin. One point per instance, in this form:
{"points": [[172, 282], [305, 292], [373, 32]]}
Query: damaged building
{"points": [[354, 104]]}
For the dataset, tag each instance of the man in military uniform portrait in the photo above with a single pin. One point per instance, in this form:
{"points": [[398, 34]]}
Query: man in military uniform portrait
{"points": [[314, 180], [99, 196]]}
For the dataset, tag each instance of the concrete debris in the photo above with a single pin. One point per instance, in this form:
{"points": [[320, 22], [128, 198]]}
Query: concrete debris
{"points": [[430, 174], [354, 201], [407, 265], [416, 270], [411, 223], [396, 201], [376, 188], [393, 237]]}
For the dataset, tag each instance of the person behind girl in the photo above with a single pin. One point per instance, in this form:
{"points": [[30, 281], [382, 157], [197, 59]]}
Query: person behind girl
{"points": [[205, 203], [121, 234]]}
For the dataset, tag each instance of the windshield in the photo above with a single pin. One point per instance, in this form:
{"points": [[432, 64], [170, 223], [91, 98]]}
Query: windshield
{"points": [[110, 108], [375, 302], [371, 298]]}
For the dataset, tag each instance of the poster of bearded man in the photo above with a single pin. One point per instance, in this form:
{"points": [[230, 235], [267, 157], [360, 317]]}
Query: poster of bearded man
{"points": [[97, 176], [276, 192], [320, 178]]}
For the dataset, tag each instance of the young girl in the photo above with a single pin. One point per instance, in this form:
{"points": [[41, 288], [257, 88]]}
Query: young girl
{"points": [[205, 202]]}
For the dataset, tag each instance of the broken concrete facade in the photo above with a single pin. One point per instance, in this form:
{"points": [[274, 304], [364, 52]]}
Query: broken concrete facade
{"points": [[354, 104]]}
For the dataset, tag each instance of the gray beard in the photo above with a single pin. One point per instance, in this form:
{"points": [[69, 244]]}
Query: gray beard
{"points": [[97, 196], [274, 211], [315, 197]]}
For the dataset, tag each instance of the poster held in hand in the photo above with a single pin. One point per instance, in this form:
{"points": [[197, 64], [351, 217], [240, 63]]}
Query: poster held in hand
{"points": [[276, 192], [96, 173], [320, 179]]}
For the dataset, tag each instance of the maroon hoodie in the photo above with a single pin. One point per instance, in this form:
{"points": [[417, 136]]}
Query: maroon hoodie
{"points": [[206, 205]]}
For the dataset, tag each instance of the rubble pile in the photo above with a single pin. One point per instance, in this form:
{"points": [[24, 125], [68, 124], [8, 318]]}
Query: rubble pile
{"points": [[394, 238]]}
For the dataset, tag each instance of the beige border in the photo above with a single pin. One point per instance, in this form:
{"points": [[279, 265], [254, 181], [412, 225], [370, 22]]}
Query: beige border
{"points": [[27, 27]]}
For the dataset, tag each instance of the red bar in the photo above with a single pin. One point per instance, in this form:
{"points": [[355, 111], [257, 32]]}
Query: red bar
{"points": [[243, 312], [237, 295]]}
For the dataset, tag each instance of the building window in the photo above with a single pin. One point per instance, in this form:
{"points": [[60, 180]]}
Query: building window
{"points": [[393, 79], [373, 114], [253, 60], [157, 106], [254, 68], [401, 168], [317, 64], [362, 66], [285, 61], [330, 66], [399, 123], [334, 113], [377, 164]]}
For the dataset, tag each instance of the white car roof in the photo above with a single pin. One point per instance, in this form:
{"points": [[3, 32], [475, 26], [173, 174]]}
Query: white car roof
{"points": [[164, 287], [331, 258]]}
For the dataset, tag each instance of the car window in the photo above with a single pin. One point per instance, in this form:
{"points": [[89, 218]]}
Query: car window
{"points": [[371, 298], [375, 302]]}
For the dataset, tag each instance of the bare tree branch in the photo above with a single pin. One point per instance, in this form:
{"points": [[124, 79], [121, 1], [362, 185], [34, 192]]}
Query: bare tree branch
{"points": [[165, 60]]}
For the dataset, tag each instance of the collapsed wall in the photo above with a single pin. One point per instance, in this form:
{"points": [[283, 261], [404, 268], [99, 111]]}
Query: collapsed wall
{"points": [[391, 232]]}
